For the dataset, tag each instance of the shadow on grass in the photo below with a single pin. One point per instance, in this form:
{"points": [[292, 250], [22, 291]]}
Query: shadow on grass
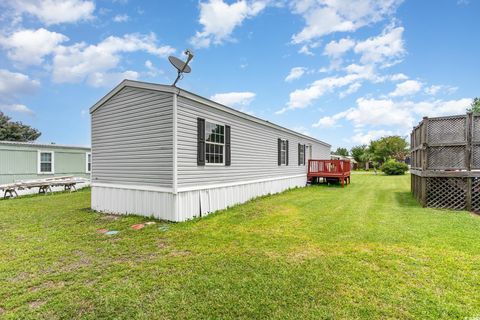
{"points": [[406, 199]]}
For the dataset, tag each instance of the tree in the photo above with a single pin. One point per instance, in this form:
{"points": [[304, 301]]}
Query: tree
{"points": [[357, 152], [366, 158], [391, 147], [16, 131], [341, 152], [474, 106]]}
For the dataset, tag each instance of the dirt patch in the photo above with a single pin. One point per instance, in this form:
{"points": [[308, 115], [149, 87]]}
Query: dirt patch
{"points": [[47, 285], [179, 253], [2, 311], [36, 304], [162, 245], [20, 277], [110, 217]]}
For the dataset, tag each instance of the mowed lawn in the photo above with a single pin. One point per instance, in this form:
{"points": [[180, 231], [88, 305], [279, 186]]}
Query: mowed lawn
{"points": [[366, 251]]}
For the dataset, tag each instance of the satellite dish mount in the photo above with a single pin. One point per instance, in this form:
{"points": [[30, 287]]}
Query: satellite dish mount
{"points": [[182, 67]]}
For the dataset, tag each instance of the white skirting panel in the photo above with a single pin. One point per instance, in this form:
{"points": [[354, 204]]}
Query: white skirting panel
{"points": [[150, 203], [186, 204], [198, 203]]}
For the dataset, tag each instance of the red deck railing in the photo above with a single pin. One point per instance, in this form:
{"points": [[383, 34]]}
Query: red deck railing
{"points": [[339, 169]]}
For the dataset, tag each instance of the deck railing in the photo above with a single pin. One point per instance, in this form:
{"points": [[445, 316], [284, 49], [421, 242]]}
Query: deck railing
{"points": [[329, 166]]}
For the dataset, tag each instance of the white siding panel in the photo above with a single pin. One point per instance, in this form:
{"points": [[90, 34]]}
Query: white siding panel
{"points": [[253, 145], [132, 139], [130, 201]]}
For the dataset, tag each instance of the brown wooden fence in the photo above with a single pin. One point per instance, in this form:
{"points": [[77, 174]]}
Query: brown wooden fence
{"points": [[445, 162]]}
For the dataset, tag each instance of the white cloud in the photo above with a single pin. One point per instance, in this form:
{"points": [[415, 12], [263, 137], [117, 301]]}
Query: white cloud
{"points": [[55, 11], [121, 18], [302, 130], [400, 115], [106, 79], [306, 48], [14, 85], [219, 19], [330, 121], [328, 16], [80, 61], [406, 88], [234, 99], [435, 89], [302, 98], [379, 112], [384, 50], [29, 47], [351, 89], [295, 73], [18, 108], [335, 49], [365, 138], [398, 77], [439, 107]]}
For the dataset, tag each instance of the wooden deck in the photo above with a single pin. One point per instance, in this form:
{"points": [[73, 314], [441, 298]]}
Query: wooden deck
{"points": [[336, 170]]}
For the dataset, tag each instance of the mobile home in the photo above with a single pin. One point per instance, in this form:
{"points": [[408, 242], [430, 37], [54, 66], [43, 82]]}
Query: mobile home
{"points": [[26, 161], [162, 151]]}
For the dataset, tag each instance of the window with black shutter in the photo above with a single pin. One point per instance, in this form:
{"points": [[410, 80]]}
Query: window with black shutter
{"points": [[282, 152], [200, 141], [228, 149], [301, 154]]}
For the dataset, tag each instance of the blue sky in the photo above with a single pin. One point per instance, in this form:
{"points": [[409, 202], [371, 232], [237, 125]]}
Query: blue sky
{"points": [[342, 71]]}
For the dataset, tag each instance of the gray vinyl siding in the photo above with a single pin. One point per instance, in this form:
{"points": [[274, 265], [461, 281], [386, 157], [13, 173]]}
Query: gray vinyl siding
{"points": [[132, 139], [254, 148]]}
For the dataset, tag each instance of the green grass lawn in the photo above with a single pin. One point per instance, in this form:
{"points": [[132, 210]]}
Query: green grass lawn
{"points": [[366, 251]]}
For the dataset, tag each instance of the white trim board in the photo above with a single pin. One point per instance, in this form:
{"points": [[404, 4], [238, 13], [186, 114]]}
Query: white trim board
{"points": [[193, 188], [131, 187]]}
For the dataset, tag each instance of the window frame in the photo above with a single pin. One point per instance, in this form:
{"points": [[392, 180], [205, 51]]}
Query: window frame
{"points": [[217, 123], [39, 162], [283, 143], [302, 151], [87, 162]]}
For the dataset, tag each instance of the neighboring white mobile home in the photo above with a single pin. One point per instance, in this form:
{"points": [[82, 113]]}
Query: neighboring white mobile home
{"points": [[161, 151]]}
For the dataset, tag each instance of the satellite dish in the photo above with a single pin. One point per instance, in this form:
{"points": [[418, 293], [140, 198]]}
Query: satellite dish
{"points": [[179, 64], [182, 67]]}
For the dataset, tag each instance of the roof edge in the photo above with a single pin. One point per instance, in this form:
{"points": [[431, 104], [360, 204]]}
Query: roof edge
{"points": [[45, 145], [198, 98]]}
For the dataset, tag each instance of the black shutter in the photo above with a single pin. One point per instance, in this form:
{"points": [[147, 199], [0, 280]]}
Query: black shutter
{"points": [[286, 154], [304, 154], [227, 146], [279, 151], [299, 154], [200, 141]]}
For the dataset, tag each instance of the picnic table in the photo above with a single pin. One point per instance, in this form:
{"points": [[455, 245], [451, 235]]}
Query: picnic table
{"points": [[44, 185]]}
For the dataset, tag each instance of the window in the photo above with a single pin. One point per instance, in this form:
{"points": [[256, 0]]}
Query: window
{"points": [[282, 152], [301, 154], [89, 162], [214, 143], [45, 162]]}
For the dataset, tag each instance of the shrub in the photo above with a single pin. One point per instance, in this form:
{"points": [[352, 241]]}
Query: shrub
{"points": [[392, 167]]}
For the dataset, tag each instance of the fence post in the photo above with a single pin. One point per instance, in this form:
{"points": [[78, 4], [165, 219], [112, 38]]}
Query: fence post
{"points": [[468, 160], [423, 179]]}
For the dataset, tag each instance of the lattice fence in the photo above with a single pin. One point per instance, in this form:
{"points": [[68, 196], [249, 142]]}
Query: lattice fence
{"points": [[448, 193], [475, 194], [445, 164]]}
